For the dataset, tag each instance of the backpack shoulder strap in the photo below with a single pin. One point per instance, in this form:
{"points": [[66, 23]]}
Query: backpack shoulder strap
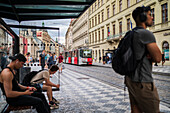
{"points": [[10, 70]]}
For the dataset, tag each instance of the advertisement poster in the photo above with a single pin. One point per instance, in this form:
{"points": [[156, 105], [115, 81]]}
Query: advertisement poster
{"points": [[166, 52]]}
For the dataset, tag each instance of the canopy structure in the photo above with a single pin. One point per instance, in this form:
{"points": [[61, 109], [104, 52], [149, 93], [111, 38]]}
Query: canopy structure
{"points": [[24, 10]]}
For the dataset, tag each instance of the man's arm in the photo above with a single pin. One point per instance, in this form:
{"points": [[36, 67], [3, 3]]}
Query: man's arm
{"points": [[154, 52], [7, 82], [49, 83], [27, 88]]}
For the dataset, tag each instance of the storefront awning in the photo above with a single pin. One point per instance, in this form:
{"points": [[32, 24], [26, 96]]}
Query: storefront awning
{"points": [[23, 10]]}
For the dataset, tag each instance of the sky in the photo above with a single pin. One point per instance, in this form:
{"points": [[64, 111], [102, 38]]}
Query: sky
{"points": [[62, 24]]}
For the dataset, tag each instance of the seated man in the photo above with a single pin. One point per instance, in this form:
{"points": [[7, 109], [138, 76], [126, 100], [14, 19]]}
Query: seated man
{"points": [[17, 94], [45, 76]]}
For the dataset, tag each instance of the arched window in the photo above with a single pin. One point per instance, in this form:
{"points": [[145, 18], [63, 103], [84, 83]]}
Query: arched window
{"points": [[165, 49]]}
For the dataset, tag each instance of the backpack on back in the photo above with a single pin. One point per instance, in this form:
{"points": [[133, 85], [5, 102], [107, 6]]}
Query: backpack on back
{"points": [[27, 79], [124, 61]]}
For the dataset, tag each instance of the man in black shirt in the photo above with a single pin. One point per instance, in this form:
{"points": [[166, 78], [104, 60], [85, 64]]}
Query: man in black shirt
{"points": [[17, 94], [42, 59]]}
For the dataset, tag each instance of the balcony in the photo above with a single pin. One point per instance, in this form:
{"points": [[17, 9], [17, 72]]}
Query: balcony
{"points": [[115, 37]]}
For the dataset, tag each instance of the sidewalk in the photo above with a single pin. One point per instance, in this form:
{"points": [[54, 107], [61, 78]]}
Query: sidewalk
{"points": [[165, 70]]}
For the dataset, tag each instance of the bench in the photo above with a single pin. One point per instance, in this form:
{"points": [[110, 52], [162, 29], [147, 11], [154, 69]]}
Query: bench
{"points": [[9, 108]]}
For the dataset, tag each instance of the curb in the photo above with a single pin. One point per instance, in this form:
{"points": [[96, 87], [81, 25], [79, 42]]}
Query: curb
{"points": [[160, 73], [153, 72], [101, 66]]}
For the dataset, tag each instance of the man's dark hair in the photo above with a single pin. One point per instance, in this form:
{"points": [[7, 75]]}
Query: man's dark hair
{"points": [[18, 56], [54, 68], [139, 10]]}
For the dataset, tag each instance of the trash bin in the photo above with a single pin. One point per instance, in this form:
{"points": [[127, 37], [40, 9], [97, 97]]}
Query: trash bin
{"points": [[22, 72]]}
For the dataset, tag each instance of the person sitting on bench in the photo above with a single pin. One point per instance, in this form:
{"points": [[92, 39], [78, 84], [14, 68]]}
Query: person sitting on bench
{"points": [[45, 76], [17, 94]]}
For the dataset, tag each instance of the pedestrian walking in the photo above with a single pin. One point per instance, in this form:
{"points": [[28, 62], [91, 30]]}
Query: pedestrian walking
{"points": [[142, 91], [42, 59], [17, 94], [163, 58], [60, 61], [50, 60], [100, 59]]}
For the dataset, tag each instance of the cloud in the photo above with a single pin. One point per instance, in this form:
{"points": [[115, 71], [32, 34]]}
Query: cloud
{"points": [[62, 24]]}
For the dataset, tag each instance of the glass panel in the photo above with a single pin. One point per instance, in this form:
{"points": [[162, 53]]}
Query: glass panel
{"points": [[6, 47], [86, 53]]}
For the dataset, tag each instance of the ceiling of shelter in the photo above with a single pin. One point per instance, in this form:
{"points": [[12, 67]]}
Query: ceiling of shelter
{"points": [[23, 10]]}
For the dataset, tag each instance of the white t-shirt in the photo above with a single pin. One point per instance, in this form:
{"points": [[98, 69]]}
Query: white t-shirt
{"points": [[40, 75]]}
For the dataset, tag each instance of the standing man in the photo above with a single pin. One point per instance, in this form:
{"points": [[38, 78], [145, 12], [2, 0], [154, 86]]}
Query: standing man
{"points": [[142, 91], [17, 94], [60, 61], [42, 59]]}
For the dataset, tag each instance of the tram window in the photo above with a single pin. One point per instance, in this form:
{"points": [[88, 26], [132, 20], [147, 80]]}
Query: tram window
{"points": [[86, 53]]}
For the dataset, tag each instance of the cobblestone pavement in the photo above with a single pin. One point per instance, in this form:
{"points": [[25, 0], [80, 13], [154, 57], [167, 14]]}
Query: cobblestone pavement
{"points": [[110, 77], [83, 94], [80, 93]]}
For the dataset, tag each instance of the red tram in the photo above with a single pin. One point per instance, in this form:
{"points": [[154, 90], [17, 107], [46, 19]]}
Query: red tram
{"points": [[78, 57]]}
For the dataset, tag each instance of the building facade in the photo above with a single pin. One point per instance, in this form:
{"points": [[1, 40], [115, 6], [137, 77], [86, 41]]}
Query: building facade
{"points": [[109, 20], [69, 38], [80, 31]]}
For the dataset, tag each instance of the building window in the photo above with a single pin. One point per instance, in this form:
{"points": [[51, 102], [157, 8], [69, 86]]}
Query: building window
{"points": [[113, 9], [120, 28], [120, 5], [96, 36], [102, 16], [99, 3], [102, 2], [99, 19], [107, 12], [93, 38], [95, 20], [128, 24], [165, 49], [99, 35], [114, 29], [153, 15], [92, 22], [108, 31], [95, 5], [138, 1], [164, 13], [102, 34], [92, 8], [128, 3], [90, 39]]}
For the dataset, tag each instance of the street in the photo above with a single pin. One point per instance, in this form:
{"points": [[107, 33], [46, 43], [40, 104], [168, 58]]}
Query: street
{"points": [[108, 76], [89, 89]]}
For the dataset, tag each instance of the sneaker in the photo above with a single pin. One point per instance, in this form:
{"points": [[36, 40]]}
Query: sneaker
{"points": [[53, 105], [55, 101]]}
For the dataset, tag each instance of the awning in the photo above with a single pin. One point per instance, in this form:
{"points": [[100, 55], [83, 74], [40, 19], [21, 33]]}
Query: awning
{"points": [[23, 10]]}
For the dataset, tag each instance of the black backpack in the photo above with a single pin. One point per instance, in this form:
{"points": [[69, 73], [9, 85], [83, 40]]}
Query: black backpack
{"points": [[124, 61], [28, 77]]}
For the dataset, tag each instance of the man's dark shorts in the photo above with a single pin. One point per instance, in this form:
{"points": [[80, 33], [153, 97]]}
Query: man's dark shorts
{"points": [[143, 95]]}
